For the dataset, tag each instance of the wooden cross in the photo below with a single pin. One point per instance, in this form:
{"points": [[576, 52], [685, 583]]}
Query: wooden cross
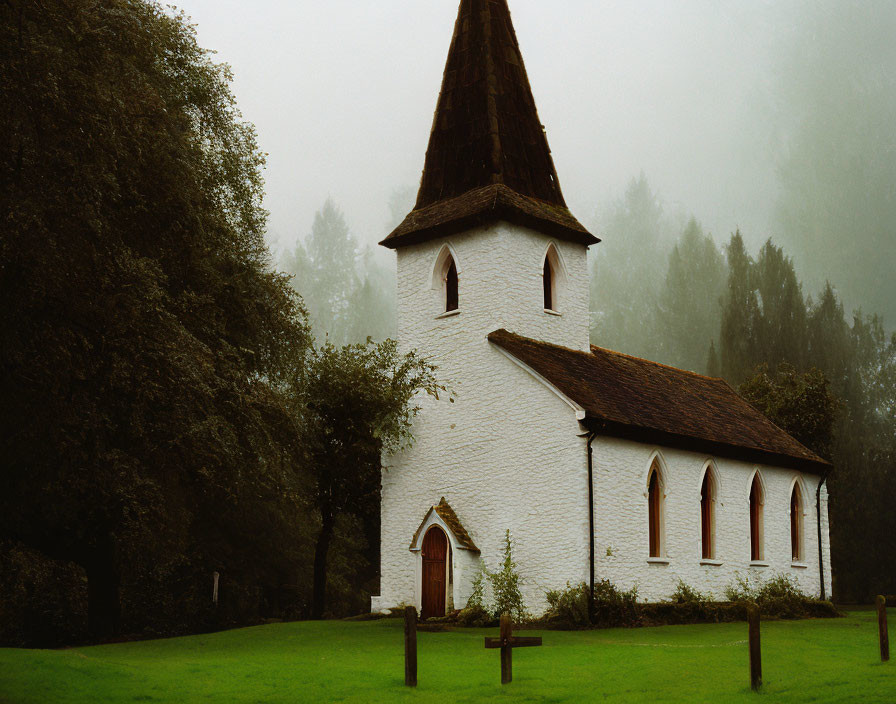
{"points": [[507, 642]]}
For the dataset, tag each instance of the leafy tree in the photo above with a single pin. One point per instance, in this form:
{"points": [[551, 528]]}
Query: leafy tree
{"points": [[141, 321], [800, 403], [355, 403]]}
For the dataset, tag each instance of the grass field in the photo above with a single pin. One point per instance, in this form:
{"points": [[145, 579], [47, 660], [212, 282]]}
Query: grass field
{"points": [[833, 660]]}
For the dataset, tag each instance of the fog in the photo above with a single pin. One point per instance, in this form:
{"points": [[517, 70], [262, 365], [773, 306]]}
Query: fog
{"points": [[694, 94]]}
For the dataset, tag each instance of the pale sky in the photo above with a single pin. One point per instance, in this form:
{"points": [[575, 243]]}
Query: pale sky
{"points": [[343, 92]]}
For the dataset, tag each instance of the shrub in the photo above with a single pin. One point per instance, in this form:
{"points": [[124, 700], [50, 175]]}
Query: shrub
{"points": [[612, 606], [744, 588], [568, 608], [477, 595], [686, 594], [475, 617], [43, 602], [506, 586], [779, 597]]}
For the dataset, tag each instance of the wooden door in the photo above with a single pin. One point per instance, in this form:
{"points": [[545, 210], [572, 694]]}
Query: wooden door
{"points": [[435, 551]]}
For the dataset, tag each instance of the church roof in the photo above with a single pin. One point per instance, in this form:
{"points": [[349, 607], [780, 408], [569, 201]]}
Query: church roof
{"points": [[449, 517], [633, 398], [488, 157]]}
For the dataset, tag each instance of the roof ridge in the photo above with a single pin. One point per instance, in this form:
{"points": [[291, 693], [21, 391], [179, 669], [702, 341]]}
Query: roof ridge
{"points": [[639, 402], [659, 364], [491, 106], [614, 352]]}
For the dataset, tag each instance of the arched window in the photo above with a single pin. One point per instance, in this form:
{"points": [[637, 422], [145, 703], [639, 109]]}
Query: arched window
{"points": [[445, 279], [548, 284], [757, 501], [796, 523], [451, 302], [553, 276], [655, 512], [707, 515]]}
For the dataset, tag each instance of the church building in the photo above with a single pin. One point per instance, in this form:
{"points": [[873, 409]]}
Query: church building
{"points": [[601, 465]]}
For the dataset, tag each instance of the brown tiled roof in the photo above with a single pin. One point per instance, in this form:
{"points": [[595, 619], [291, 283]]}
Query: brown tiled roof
{"points": [[488, 157], [634, 398], [447, 514]]}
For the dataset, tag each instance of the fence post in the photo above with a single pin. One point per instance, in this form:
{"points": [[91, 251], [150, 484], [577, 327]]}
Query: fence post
{"points": [[755, 649], [410, 646], [882, 628], [506, 648]]}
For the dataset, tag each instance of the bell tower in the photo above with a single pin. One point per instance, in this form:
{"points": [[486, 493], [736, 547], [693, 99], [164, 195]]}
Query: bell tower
{"points": [[490, 243]]}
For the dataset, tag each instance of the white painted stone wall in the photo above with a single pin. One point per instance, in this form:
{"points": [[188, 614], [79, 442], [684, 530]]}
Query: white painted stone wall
{"points": [[505, 454], [620, 484], [508, 453]]}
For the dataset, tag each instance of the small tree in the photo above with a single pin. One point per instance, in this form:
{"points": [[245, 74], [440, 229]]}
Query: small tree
{"points": [[506, 585], [353, 403], [801, 404]]}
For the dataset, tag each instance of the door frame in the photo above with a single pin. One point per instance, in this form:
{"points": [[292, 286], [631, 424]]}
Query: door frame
{"points": [[450, 562], [447, 566]]}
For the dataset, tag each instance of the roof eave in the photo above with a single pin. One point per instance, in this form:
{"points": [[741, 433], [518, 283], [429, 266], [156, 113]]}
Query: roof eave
{"points": [[624, 431], [500, 204]]}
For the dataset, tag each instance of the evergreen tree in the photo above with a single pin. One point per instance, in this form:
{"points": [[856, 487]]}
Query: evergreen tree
{"points": [[713, 366], [326, 275], [348, 292], [689, 310], [780, 331], [740, 311], [628, 271]]}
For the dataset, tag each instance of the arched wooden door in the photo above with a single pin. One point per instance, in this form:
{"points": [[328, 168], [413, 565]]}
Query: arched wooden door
{"points": [[435, 551]]}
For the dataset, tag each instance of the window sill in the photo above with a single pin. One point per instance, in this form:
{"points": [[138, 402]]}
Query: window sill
{"points": [[713, 563], [658, 560], [448, 314], [799, 565], [553, 312], [758, 563]]}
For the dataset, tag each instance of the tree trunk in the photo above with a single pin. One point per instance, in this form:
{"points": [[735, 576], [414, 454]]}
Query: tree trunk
{"points": [[103, 601], [319, 588]]}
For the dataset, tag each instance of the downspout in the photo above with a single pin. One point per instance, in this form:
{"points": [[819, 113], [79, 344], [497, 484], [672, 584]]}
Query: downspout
{"points": [[591, 435], [824, 478]]}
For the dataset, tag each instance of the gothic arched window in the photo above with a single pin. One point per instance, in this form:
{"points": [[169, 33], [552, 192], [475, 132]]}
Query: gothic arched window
{"points": [[796, 523], [757, 502], [451, 295], [655, 512], [553, 276], [445, 280], [707, 514]]}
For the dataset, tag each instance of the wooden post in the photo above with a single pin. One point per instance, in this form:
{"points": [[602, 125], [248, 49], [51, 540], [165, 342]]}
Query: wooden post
{"points": [[506, 648], [755, 649], [410, 646], [507, 642], [882, 628]]}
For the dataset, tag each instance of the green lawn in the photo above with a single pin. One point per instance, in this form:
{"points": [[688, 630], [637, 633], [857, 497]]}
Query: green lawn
{"points": [[806, 661]]}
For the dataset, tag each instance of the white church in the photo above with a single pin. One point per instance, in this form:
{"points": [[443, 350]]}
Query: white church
{"points": [[601, 465]]}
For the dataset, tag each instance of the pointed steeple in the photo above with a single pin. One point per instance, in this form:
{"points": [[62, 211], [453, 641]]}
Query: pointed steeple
{"points": [[488, 157]]}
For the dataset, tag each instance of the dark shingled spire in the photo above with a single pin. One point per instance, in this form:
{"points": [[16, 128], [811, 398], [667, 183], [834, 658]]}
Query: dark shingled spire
{"points": [[488, 157]]}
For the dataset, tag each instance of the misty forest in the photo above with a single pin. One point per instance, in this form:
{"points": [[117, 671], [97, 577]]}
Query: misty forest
{"points": [[180, 399]]}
